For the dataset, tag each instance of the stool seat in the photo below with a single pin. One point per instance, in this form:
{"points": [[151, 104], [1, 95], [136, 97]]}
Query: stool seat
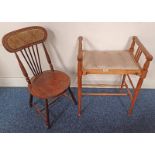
{"points": [[110, 60]]}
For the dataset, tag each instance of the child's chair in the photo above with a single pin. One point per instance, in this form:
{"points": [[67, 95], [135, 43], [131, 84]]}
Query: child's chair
{"points": [[44, 84]]}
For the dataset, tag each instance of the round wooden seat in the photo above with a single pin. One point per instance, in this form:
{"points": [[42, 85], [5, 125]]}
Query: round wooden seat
{"points": [[49, 84]]}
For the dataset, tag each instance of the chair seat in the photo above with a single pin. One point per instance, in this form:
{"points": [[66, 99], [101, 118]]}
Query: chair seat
{"points": [[109, 60], [49, 84]]}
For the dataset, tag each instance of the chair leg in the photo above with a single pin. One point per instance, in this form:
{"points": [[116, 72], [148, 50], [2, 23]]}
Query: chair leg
{"points": [[30, 100], [123, 80], [72, 95], [79, 93], [136, 92], [47, 114]]}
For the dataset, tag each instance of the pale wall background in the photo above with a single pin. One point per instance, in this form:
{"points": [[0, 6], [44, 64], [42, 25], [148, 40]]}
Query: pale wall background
{"points": [[62, 41]]}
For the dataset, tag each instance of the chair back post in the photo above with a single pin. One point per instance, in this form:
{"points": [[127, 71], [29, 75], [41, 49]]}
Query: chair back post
{"points": [[48, 57]]}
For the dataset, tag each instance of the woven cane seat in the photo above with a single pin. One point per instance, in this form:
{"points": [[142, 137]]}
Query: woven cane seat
{"points": [[109, 60]]}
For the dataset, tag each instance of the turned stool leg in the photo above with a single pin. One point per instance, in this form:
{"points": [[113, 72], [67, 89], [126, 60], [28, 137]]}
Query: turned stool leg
{"points": [[80, 72], [79, 94]]}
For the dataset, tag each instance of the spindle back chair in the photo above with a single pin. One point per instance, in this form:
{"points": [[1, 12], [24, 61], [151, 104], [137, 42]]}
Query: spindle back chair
{"points": [[46, 84], [125, 63]]}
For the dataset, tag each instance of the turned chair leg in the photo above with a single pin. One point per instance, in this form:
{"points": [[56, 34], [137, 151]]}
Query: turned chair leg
{"points": [[72, 95], [79, 94], [30, 100], [47, 114], [136, 92]]}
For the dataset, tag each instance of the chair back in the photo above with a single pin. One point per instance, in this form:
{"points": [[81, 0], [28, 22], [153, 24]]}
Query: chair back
{"points": [[26, 41]]}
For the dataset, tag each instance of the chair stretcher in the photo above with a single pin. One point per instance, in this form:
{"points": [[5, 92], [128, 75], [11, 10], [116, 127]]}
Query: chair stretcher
{"points": [[125, 63]]}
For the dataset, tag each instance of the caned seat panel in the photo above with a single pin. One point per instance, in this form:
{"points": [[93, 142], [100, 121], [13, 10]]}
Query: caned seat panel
{"points": [[109, 60]]}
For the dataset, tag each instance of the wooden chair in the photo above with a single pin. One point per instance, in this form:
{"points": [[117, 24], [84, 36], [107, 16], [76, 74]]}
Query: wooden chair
{"points": [[124, 63], [24, 43]]}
